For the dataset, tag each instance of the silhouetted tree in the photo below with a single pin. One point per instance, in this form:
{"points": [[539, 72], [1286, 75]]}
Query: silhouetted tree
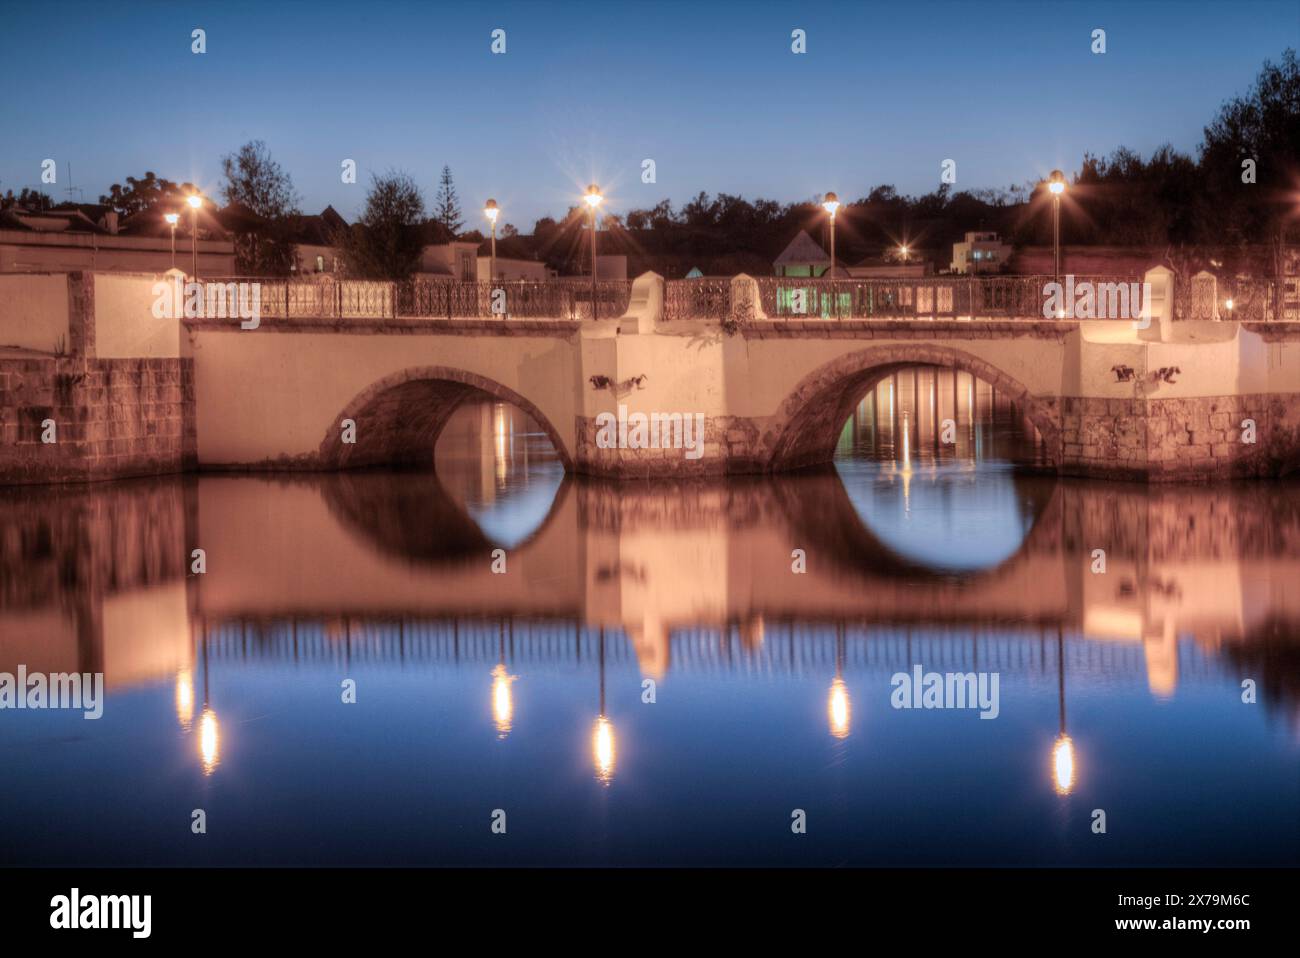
{"points": [[387, 241], [1264, 126], [256, 183], [144, 193], [446, 206], [27, 199]]}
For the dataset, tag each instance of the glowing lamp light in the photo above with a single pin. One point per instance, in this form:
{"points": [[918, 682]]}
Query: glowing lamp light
{"points": [[491, 211], [593, 196], [209, 741], [1056, 182], [1063, 765], [602, 749], [831, 203], [503, 703], [195, 201], [172, 218], [1229, 305], [185, 698], [838, 710]]}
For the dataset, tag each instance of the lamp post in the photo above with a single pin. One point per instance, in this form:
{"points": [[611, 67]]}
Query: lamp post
{"points": [[1056, 183], [594, 199], [195, 202], [491, 211], [831, 204], [172, 219]]}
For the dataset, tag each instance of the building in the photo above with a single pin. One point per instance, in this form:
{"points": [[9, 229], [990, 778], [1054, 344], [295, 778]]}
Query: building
{"points": [[890, 269], [314, 242], [516, 261], [980, 253], [611, 266], [69, 239], [1088, 260], [457, 260], [803, 257]]}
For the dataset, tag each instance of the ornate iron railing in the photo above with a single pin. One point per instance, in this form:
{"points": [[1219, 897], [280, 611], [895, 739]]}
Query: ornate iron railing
{"points": [[367, 299], [1205, 297], [697, 299], [939, 297], [779, 297]]}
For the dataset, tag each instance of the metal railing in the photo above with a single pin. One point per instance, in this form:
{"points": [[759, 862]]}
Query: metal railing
{"points": [[330, 298], [1242, 300], [940, 297], [705, 298], [779, 297]]}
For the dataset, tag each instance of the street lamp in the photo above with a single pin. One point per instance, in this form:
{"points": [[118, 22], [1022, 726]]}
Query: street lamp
{"points": [[195, 202], [594, 199], [1056, 184], [172, 219], [491, 211], [831, 204]]}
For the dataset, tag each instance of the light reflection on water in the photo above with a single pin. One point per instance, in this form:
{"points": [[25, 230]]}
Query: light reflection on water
{"points": [[526, 691]]}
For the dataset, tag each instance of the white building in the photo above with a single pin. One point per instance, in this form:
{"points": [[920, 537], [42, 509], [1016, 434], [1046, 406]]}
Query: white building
{"points": [[980, 253]]}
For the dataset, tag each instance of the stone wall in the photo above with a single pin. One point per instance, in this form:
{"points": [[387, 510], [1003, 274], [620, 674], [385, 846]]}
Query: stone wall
{"points": [[1182, 439], [731, 446], [113, 416]]}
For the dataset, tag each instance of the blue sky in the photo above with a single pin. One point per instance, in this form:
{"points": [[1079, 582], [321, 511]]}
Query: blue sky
{"points": [[709, 90]]}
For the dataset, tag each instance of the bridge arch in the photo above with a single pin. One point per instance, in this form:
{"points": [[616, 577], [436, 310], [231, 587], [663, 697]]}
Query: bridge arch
{"points": [[809, 420], [400, 417]]}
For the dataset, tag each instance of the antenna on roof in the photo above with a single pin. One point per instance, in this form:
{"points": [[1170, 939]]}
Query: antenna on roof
{"points": [[80, 193]]}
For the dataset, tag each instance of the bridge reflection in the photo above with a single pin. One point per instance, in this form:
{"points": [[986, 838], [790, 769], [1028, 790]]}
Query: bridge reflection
{"points": [[679, 578]]}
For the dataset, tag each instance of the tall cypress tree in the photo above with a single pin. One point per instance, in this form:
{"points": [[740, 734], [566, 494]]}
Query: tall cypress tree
{"points": [[447, 208]]}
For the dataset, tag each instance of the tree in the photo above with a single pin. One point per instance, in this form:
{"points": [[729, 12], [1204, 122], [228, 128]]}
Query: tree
{"points": [[1263, 126], [447, 207], [28, 199], [387, 241], [145, 193], [255, 181]]}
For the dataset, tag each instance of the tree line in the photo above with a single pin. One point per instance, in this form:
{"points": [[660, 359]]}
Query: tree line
{"points": [[1236, 202]]}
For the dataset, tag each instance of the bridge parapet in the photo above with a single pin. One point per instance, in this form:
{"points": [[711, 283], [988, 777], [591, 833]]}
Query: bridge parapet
{"points": [[327, 297]]}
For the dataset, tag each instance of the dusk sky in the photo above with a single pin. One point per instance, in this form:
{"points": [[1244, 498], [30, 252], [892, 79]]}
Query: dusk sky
{"points": [[717, 99]]}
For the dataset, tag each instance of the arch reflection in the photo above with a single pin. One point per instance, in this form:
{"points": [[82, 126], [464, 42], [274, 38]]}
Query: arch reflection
{"points": [[933, 460]]}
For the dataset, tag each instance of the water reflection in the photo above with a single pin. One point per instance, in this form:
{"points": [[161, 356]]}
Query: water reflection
{"points": [[385, 577]]}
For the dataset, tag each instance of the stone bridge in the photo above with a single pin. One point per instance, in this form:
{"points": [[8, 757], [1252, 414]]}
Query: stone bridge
{"points": [[136, 394]]}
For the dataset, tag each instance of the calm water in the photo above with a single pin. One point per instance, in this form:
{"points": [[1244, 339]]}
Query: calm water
{"points": [[524, 691]]}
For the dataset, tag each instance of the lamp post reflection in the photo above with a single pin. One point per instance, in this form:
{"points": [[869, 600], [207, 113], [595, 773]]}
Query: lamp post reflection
{"points": [[503, 700], [185, 698], [602, 733], [1063, 750], [209, 729], [838, 710]]}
